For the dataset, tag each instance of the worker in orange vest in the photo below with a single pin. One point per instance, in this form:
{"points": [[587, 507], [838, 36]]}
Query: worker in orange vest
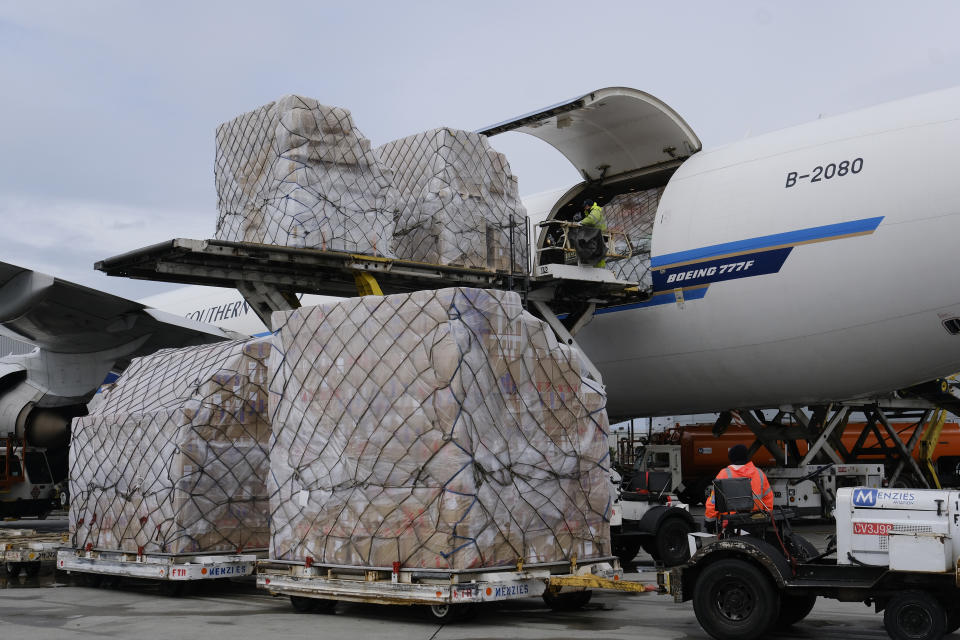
{"points": [[741, 467]]}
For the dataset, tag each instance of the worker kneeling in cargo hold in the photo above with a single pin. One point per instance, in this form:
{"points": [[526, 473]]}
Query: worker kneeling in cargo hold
{"points": [[741, 467]]}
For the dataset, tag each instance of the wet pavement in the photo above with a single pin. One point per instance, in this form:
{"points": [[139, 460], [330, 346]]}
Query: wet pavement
{"points": [[51, 606]]}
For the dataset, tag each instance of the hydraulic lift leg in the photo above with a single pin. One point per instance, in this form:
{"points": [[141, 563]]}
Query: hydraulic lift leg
{"points": [[264, 299]]}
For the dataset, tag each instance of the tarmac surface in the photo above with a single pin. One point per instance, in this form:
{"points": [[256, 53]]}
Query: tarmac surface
{"points": [[49, 606]]}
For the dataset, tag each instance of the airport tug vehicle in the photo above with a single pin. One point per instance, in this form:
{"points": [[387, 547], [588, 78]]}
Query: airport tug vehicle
{"points": [[646, 512], [894, 549]]}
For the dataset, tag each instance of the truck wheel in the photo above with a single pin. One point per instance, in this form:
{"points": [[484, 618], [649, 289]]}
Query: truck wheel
{"points": [[793, 609], [914, 615], [953, 620], [801, 548], [626, 551], [734, 600], [447, 613], [671, 544], [568, 601]]}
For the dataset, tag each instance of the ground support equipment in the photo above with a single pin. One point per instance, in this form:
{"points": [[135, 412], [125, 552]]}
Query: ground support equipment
{"points": [[448, 594], [170, 571]]}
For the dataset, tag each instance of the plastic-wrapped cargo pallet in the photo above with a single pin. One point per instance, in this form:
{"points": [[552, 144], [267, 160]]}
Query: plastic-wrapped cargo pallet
{"points": [[443, 429], [633, 214], [298, 173], [456, 196], [174, 457]]}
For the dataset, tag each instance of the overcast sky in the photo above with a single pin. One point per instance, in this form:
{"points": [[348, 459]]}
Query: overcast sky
{"points": [[109, 109]]}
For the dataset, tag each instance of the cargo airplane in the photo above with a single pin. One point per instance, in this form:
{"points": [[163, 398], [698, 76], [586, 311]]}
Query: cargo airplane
{"points": [[803, 266]]}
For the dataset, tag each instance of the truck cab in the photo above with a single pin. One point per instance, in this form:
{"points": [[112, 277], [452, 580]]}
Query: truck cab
{"points": [[27, 488]]}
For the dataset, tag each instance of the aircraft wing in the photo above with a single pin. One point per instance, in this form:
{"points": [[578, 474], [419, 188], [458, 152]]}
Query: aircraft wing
{"points": [[63, 317]]}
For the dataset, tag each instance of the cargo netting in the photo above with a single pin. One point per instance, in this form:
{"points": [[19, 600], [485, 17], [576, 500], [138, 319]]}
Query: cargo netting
{"points": [[633, 215], [444, 429], [458, 202], [298, 173], [173, 457]]}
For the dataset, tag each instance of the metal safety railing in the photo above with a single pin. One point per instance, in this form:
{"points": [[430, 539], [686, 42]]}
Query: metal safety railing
{"points": [[557, 238]]}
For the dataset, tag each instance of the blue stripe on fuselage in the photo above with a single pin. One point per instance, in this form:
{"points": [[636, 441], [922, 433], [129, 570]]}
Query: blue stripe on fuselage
{"points": [[788, 239]]}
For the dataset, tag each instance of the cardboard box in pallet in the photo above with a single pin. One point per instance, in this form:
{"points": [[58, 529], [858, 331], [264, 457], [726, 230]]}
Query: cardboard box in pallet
{"points": [[174, 458], [457, 201], [399, 439], [298, 173]]}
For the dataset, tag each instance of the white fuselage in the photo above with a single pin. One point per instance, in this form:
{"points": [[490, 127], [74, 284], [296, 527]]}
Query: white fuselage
{"points": [[791, 290], [845, 315]]}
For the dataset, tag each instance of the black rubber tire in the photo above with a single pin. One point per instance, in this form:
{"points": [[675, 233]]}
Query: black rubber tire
{"points": [[671, 542], [914, 615], [953, 620], [649, 547], [171, 589], [801, 548], [567, 600], [91, 580], [304, 604], [109, 582], [793, 609], [447, 613], [735, 600], [626, 549]]}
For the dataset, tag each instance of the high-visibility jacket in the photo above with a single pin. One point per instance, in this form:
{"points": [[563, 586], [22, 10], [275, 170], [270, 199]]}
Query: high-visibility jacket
{"points": [[759, 486], [594, 218]]}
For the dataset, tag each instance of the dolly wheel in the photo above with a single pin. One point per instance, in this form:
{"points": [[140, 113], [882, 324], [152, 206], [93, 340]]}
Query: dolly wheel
{"points": [[567, 600], [172, 589], [91, 580], [13, 569], [304, 604], [914, 615], [446, 613]]}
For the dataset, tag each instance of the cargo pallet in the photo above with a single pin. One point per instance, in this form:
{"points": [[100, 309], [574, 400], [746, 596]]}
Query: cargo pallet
{"points": [[449, 594], [171, 571], [28, 550]]}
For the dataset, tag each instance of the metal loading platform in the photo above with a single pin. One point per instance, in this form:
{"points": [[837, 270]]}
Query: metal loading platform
{"points": [[272, 277]]}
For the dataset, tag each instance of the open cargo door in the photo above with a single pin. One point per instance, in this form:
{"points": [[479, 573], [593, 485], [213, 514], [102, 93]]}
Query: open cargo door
{"points": [[626, 144], [610, 135]]}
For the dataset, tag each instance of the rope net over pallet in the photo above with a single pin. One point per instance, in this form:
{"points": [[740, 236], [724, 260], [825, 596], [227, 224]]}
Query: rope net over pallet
{"points": [[633, 214], [298, 173], [457, 201], [173, 457], [443, 429]]}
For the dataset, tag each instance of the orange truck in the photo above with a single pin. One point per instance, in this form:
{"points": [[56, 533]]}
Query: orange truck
{"points": [[703, 455]]}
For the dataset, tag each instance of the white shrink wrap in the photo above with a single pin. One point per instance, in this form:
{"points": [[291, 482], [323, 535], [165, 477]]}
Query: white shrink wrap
{"points": [[443, 429], [457, 201], [298, 173], [174, 457], [633, 215]]}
